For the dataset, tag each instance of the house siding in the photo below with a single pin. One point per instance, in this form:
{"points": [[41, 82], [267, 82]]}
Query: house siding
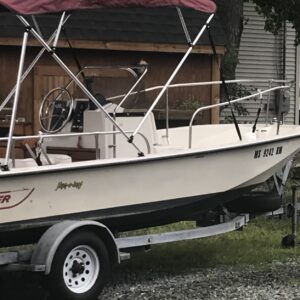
{"points": [[261, 57]]}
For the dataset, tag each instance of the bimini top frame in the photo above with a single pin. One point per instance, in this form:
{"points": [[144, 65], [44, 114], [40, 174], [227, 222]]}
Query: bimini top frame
{"points": [[30, 7]]}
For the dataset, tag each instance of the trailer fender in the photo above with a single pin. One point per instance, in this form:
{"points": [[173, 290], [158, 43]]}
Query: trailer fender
{"points": [[52, 238]]}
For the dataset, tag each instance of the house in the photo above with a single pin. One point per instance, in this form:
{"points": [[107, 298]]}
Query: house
{"points": [[263, 55], [112, 37]]}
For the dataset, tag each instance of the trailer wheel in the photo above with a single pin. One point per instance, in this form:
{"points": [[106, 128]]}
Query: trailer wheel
{"points": [[80, 267]]}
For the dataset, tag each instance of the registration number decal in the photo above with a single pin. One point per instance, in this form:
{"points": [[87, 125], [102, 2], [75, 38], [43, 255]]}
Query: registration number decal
{"points": [[268, 152]]}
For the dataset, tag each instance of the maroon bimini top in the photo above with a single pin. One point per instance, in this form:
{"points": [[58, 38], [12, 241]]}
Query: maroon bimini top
{"points": [[33, 7]]}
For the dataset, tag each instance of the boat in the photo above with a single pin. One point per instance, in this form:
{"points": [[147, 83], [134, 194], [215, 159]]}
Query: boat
{"points": [[141, 176]]}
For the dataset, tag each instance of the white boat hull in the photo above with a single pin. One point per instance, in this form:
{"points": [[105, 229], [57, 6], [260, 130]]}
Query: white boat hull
{"points": [[127, 188]]}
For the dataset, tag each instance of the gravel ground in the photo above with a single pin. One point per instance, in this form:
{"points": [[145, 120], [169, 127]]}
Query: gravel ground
{"points": [[271, 281], [274, 281]]}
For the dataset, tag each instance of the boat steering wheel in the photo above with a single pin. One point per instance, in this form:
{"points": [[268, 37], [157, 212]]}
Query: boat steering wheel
{"points": [[56, 110]]}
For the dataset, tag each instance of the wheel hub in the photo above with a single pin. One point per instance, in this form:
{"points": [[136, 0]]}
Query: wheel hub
{"points": [[81, 269], [77, 268]]}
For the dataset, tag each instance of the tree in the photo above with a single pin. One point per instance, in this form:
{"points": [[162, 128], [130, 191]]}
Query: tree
{"points": [[230, 14], [277, 12]]}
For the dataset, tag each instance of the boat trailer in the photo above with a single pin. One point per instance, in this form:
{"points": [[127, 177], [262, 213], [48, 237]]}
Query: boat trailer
{"points": [[39, 258]]}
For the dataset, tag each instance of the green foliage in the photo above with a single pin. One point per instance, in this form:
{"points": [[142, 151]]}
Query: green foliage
{"points": [[257, 244], [191, 103], [236, 91], [229, 62], [277, 12]]}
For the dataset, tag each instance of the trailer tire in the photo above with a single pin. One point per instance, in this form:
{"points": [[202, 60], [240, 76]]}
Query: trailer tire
{"points": [[80, 267]]}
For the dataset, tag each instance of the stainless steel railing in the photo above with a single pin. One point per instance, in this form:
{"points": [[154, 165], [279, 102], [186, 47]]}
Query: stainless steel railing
{"points": [[193, 84], [268, 91], [96, 135], [227, 103]]}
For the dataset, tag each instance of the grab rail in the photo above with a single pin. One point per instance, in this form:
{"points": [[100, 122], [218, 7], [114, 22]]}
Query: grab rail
{"points": [[96, 134], [192, 84], [227, 103], [203, 83]]}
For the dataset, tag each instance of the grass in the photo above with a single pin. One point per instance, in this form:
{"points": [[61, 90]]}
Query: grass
{"points": [[257, 244]]}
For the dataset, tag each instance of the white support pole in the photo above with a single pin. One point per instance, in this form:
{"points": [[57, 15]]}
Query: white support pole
{"points": [[36, 25], [16, 99], [77, 81], [31, 66], [60, 25], [172, 76], [184, 27]]}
